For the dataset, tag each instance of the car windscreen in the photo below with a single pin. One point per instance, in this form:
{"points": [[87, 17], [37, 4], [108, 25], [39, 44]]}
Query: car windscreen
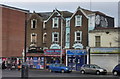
{"points": [[62, 65], [95, 66], [118, 66]]}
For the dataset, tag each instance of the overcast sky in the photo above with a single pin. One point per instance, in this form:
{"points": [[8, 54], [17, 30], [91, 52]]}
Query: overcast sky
{"points": [[110, 8]]}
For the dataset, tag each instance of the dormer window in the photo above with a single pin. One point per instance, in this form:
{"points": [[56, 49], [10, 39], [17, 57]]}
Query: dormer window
{"points": [[55, 22], [78, 20], [33, 23]]}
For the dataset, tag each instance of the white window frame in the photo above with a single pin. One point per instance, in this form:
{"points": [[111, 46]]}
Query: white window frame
{"points": [[54, 37], [32, 37], [44, 37], [44, 25], [32, 23], [78, 36], [78, 20], [53, 22]]}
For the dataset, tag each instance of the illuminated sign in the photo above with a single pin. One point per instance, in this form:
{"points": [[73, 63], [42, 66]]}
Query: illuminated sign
{"points": [[52, 51], [76, 52]]}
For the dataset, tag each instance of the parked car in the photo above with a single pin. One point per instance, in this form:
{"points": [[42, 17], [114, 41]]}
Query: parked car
{"points": [[116, 70], [93, 69], [59, 68]]}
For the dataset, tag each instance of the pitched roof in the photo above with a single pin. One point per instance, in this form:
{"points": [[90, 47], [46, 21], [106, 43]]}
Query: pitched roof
{"points": [[66, 14], [87, 11], [46, 15]]}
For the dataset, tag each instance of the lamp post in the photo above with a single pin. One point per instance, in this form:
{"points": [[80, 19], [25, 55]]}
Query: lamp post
{"points": [[24, 69], [88, 55], [61, 40]]}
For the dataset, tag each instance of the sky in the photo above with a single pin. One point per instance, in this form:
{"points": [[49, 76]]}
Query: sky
{"points": [[109, 7]]}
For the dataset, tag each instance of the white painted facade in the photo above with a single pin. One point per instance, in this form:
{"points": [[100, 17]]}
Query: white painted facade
{"points": [[109, 37], [107, 61]]}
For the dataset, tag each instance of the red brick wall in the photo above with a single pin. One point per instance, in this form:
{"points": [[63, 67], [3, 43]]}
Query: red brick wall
{"points": [[0, 31], [83, 28], [13, 23]]}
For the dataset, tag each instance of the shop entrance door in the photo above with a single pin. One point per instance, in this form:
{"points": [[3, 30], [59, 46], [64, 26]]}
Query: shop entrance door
{"points": [[75, 62]]}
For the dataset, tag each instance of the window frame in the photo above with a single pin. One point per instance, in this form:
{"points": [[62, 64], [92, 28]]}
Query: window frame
{"points": [[53, 22], [78, 20], [32, 23], [97, 42], [76, 40], [53, 38], [32, 37]]}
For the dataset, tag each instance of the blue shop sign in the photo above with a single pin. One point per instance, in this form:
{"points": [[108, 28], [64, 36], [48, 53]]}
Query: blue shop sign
{"points": [[76, 52]]}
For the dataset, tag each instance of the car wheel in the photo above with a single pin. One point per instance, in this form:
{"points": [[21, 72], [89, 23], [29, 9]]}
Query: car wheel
{"points": [[82, 71], [63, 71], [98, 72], [115, 73]]}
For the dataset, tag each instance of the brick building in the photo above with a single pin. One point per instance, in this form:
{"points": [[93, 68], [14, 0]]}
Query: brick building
{"points": [[46, 30], [12, 25]]}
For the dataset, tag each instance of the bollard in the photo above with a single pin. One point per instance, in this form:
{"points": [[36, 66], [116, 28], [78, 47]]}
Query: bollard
{"points": [[24, 70]]}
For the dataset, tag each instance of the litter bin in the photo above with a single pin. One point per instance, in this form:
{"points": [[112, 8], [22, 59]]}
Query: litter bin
{"points": [[24, 70]]}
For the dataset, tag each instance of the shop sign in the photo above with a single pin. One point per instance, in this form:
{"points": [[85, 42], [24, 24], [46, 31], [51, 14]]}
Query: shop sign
{"points": [[52, 51], [76, 52], [105, 50]]}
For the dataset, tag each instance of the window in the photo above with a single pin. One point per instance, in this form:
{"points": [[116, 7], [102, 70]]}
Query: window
{"points": [[55, 37], [68, 23], [97, 41], [44, 25], [33, 23], [55, 22], [33, 38], [78, 20], [78, 36], [44, 37]]}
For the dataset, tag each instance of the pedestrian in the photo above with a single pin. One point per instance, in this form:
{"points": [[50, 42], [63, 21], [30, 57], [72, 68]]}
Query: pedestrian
{"points": [[19, 65], [3, 65], [9, 65]]}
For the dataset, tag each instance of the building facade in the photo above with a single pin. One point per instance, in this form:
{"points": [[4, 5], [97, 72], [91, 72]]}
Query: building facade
{"points": [[105, 46], [12, 25], [51, 33]]}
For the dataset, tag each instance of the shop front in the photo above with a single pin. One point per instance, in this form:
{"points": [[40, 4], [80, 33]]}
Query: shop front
{"points": [[35, 62], [76, 58], [11, 62], [53, 56]]}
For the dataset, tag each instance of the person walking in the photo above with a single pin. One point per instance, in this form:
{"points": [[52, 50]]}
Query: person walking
{"points": [[3, 65]]}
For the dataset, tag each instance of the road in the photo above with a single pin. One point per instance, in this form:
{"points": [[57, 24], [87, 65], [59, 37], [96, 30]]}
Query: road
{"points": [[45, 73]]}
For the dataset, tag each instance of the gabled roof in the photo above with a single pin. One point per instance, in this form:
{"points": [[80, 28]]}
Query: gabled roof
{"points": [[79, 8], [66, 14], [87, 11], [45, 15]]}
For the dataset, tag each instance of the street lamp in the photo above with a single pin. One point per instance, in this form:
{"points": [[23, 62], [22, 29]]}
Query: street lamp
{"points": [[61, 40], [88, 54], [24, 69]]}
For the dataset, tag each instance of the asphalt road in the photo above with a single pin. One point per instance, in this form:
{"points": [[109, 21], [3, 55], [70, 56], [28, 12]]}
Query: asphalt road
{"points": [[40, 74]]}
